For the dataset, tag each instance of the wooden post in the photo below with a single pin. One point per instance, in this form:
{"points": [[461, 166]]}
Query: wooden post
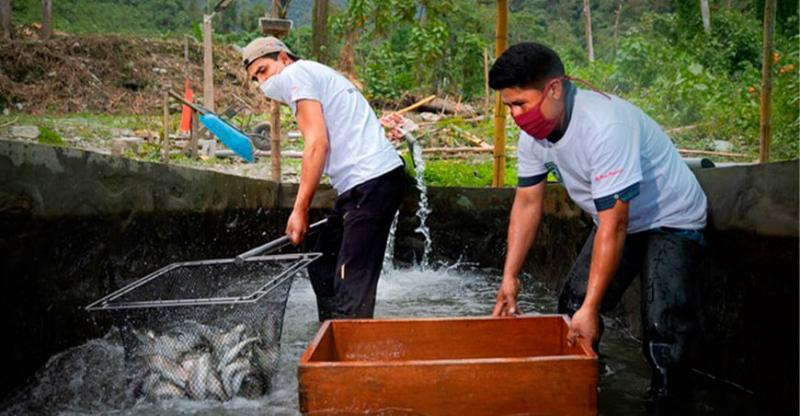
{"points": [[208, 64], [501, 43], [587, 14], [765, 130], [486, 90], [319, 31], [47, 24], [165, 138], [706, 16], [5, 19], [194, 136], [275, 132], [617, 13]]}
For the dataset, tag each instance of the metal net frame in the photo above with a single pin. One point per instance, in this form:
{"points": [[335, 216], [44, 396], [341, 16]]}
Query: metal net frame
{"points": [[205, 330]]}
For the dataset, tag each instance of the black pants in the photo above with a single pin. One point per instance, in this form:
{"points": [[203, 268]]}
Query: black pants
{"points": [[352, 244], [664, 260]]}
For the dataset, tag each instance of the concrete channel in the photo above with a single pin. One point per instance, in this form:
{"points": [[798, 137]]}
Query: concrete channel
{"points": [[75, 225]]}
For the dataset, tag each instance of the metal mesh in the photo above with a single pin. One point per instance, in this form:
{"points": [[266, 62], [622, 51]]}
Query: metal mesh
{"points": [[207, 330]]}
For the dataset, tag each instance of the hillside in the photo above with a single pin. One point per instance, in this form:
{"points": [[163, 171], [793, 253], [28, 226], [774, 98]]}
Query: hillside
{"points": [[107, 74]]}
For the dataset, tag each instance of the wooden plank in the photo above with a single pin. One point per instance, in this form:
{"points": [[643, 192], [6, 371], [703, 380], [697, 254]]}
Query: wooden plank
{"points": [[465, 339]]}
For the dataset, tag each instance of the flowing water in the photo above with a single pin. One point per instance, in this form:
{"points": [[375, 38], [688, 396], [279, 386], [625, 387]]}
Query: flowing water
{"points": [[89, 379]]}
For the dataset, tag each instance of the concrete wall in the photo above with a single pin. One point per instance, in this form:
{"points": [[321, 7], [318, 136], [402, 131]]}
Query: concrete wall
{"points": [[75, 225]]}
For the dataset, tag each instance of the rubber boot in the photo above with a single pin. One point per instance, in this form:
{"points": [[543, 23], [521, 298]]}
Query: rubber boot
{"points": [[671, 385]]}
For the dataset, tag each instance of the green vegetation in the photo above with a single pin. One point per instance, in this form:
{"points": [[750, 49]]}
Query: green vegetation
{"points": [[48, 136], [654, 54]]}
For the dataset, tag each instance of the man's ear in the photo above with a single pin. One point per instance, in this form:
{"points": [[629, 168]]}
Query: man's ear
{"points": [[557, 91]]}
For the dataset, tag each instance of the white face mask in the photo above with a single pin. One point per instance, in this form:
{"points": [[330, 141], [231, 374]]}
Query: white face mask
{"points": [[271, 88]]}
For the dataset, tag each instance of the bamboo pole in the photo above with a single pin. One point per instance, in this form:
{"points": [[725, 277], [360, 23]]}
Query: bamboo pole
{"points": [[501, 43], [47, 22], [194, 135], [5, 19], [765, 130], [208, 63]]}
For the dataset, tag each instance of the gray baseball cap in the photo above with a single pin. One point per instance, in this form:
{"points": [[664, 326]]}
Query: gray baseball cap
{"points": [[263, 46]]}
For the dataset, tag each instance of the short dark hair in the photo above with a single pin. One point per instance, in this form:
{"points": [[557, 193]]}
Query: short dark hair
{"points": [[527, 64]]}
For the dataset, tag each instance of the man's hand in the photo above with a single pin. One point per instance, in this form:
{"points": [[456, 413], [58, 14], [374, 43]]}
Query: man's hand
{"points": [[393, 121], [297, 226], [506, 304], [584, 327]]}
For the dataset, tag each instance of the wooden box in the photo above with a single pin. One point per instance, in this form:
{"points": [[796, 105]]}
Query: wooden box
{"points": [[447, 366]]}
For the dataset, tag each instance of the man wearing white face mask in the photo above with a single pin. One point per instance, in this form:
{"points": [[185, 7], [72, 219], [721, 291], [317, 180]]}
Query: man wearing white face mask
{"points": [[345, 141], [649, 210]]}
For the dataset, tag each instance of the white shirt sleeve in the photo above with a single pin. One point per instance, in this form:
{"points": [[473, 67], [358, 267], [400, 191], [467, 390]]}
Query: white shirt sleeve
{"points": [[301, 86], [614, 161], [529, 163]]}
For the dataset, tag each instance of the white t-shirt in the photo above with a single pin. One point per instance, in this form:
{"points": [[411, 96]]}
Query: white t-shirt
{"points": [[358, 148], [609, 146]]}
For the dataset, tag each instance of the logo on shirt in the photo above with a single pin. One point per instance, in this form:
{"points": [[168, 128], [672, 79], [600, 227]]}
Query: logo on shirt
{"points": [[602, 176], [552, 168]]}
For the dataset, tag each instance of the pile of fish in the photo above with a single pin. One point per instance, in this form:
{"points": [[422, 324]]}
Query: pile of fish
{"points": [[202, 363]]}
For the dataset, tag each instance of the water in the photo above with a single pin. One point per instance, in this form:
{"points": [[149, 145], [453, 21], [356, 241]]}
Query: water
{"points": [[422, 211], [89, 379]]}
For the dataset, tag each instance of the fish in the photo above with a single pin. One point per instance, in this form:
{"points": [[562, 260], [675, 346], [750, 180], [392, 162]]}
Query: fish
{"points": [[230, 371], [168, 369], [214, 386], [233, 353], [198, 379], [237, 378], [164, 390]]}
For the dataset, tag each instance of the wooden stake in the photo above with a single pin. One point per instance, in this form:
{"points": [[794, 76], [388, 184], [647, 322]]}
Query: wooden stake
{"points": [[5, 19], [765, 130], [501, 43], [194, 135], [165, 138], [47, 23], [587, 14], [275, 140], [208, 64]]}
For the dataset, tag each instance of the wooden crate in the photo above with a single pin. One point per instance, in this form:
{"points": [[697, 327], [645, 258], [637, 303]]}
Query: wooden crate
{"points": [[447, 366]]}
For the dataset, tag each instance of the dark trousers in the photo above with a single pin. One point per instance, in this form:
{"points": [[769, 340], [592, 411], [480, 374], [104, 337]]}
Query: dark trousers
{"points": [[664, 260], [345, 278]]}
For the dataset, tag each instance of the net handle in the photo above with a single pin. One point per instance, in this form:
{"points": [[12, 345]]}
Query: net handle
{"points": [[275, 244]]}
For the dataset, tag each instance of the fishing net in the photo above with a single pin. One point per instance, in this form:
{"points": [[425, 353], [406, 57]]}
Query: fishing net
{"points": [[205, 330]]}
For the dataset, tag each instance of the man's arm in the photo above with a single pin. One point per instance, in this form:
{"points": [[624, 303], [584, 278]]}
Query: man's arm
{"points": [[315, 151], [606, 254], [526, 214]]}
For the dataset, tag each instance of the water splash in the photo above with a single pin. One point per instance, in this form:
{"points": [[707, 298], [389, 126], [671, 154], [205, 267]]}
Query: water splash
{"points": [[423, 210], [388, 255]]}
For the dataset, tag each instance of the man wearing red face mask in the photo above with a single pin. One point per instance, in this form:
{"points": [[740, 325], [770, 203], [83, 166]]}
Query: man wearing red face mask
{"points": [[620, 167]]}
